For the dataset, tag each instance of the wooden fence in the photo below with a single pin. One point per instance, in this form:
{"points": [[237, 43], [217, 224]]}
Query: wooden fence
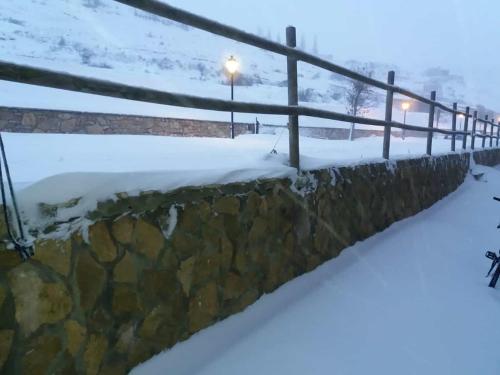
{"points": [[43, 77]]}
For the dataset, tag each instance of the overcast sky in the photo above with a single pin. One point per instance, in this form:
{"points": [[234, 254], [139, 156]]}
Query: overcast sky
{"points": [[460, 35]]}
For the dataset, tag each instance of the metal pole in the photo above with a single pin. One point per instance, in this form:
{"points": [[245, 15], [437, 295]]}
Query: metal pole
{"points": [[453, 126], [466, 127], [293, 99], [484, 131], [232, 113], [431, 123], [474, 124], [388, 115]]}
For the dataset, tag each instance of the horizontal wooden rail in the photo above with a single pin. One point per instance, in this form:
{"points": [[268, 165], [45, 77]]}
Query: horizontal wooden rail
{"points": [[43, 77], [425, 100], [176, 14], [179, 15], [66, 81], [489, 122]]}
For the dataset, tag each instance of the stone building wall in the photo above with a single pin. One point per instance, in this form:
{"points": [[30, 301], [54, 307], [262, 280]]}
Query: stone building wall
{"points": [[154, 269]]}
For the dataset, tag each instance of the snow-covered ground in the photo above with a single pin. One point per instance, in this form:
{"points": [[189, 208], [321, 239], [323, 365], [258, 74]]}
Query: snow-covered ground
{"points": [[34, 157], [410, 300], [57, 168]]}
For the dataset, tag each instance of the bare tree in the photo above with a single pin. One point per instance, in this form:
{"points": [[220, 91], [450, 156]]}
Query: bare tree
{"points": [[359, 96], [303, 45]]}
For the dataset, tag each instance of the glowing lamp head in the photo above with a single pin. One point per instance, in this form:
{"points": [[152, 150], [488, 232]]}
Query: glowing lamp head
{"points": [[461, 116], [405, 106], [232, 65]]}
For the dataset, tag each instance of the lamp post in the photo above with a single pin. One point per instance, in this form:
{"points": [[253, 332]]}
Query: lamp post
{"points": [[461, 116], [232, 67], [405, 106]]}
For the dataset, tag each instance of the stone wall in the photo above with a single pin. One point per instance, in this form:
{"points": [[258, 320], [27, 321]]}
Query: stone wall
{"points": [[489, 157], [154, 269], [25, 120]]}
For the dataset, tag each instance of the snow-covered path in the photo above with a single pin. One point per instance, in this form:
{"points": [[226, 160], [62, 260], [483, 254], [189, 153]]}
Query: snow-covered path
{"points": [[410, 300]]}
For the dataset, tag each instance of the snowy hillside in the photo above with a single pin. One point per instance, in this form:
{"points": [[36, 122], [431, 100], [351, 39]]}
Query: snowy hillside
{"points": [[104, 39]]}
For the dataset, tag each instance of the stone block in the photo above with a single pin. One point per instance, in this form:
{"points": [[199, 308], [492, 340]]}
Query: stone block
{"points": [[90, 278], [147, 239], [53, 302], [203, 307], [55, 254], [101, 243]]}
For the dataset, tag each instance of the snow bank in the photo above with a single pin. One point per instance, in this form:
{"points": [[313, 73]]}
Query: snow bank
{"points": [[57, 168]]}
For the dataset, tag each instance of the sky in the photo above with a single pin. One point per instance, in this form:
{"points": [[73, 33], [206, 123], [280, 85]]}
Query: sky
{"points": [[460, 35]]}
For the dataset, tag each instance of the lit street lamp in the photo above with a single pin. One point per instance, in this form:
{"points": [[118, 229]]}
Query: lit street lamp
{"points": [[405, 106], [232, 67], [461, 116]]}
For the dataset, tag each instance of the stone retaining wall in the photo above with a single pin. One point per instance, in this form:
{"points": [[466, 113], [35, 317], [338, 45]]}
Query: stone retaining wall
{"points": [[489, 157], [156, 268], [26, 120]]}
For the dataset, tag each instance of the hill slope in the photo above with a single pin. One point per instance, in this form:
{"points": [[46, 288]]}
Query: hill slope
{"points": [[102, 38]]}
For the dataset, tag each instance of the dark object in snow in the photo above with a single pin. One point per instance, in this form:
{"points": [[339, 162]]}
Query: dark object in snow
{"points": [[477, 176], [495, 262]]}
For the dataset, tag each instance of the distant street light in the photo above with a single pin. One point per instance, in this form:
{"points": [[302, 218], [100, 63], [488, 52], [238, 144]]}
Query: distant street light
{"points": [[405, 106], [232, 67], [461, 117]]}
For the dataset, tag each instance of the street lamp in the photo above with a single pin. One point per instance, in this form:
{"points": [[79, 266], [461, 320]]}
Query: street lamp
{"points": [[405, 106], [461, 116], [232, 67]]}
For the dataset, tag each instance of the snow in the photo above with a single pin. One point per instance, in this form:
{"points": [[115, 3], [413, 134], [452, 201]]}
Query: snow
{"points": [[67, 36], [34, 157], [58, 168], [410, 300]]}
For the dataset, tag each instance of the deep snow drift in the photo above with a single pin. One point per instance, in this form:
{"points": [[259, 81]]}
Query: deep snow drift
{"points": [[34, 157], [410, 300], [55, 169]]}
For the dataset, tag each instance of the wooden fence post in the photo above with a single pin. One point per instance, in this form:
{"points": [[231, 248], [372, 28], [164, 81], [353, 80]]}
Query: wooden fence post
{"points": [[491, 132], [473, 137], [293, 99], [389, 99], [431, 123], [498, 131], [453, 126], [466, 127], [483, 145]]}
